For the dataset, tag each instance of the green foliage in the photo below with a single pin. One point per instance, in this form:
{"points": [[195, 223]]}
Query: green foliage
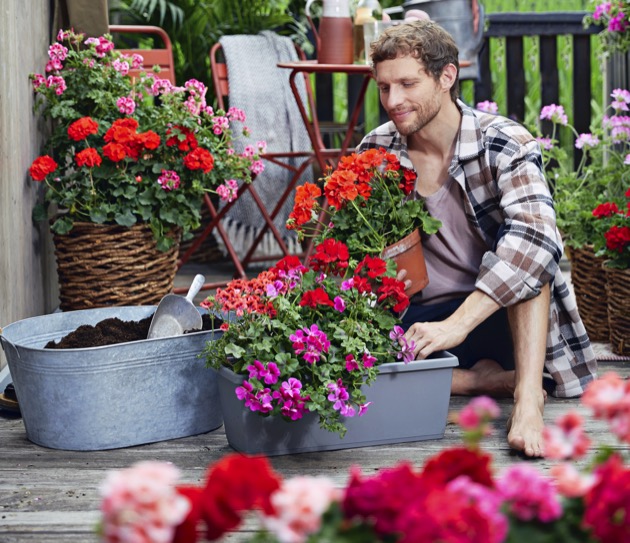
{"points": [[614, 17]]}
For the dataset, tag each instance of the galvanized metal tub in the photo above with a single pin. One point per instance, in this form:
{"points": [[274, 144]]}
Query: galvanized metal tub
{"points": [[112, 396]]}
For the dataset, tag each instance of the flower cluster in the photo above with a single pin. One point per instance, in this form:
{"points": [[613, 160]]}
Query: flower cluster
{"points": [[603, 173], [125, 150], [615, 241], [370, 204], [307, 339], [455, 496], [614, 16]]}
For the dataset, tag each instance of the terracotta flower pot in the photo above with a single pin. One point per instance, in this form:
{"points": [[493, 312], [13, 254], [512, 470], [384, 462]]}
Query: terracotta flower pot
{"points": [[408, 255]]}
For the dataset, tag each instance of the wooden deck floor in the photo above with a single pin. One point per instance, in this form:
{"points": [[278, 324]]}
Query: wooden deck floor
{"points": [[50, 495]]}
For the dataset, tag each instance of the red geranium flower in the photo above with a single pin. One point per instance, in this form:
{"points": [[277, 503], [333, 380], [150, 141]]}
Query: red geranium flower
{"points": [[375, 266], [122, 131], [81, 129], [88, 157], [393, 290], [41, 167], [235, 484], [182, 137], [617, 238], [149, 139], [331, 256], [114, 151], [607, 209], [199, 159], [451, 463], [340, 188], [306, 197], [316, 297]]}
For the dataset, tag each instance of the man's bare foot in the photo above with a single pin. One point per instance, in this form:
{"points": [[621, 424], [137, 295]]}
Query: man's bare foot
{"points": [[485, 377], [525, 425]]}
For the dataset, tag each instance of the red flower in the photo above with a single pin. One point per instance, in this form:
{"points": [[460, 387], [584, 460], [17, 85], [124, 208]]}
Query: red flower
{"points": [[148, 140], [306, 197], [374, 265], [606, 209], [41, 167], [341, 187], [392, 291], [114, 151], [451, 463], [331, 256], [186, 532], [607, 504], [199, 159], [409, 182], [81, 129], [289, 263], [617, 238], [88, 157], [316, 297], [361, 284], [182, 137], [122, 131], [381, 499], [236, 484], [444, 516]]}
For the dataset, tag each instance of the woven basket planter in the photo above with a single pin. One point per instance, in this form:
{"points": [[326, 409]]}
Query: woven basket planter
{"points": [[589, 284], [111, 265], [618, 289]]}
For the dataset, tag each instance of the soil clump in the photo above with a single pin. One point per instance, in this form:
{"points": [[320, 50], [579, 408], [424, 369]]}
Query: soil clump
{"points": [[113, 331]]}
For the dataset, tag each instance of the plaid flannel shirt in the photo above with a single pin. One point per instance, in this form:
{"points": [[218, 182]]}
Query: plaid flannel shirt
{"points": [[498, 164]]}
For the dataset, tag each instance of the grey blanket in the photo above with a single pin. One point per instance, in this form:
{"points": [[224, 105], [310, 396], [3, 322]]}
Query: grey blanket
{"points": [[262, 90]]}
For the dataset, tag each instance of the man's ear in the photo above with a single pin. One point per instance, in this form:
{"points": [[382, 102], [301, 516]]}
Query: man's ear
{"points": [[448, 77]]}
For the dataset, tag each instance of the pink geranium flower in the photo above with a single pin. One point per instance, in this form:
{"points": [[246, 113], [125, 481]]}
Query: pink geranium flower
{"points": [[566, 438]]}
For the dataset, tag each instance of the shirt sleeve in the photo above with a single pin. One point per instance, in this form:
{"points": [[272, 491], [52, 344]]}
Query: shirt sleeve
{"points": [[527, 246]]}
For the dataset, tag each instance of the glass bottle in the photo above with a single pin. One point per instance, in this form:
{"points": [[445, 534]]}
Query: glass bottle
{"points": [[368, 11]]}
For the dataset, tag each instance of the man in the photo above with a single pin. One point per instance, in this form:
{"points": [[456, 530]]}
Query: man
{"points": [[496, 296]]}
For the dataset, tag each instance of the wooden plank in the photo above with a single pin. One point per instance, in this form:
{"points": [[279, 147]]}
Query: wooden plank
{"points": [[515, 78], [581, 89], [483, 86], [538, 24]]}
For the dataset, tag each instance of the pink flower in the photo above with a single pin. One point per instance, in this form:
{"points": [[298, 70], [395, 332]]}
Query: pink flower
{"points": [[586, 140], [601, 9], [545, 143], [477, 413], [488, 502], [340, 304], [298, 506], [236, 114], [257, 167], [566, 439], [121, 66], [137, 61], [488, 106], [570, 482], [38, 81], [161, 86], [56, 82], [169, 180], [606, 395], [141, 505], [554, 114], [351, 363], [57, 52], [126, 105], [227, 192], [529, 494]]}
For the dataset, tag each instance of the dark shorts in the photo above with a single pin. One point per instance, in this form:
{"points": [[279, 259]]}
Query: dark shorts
{"points": [[491, 339]]}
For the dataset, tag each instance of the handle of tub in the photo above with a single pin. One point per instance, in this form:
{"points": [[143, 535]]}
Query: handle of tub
{"points": [[8, 346]]}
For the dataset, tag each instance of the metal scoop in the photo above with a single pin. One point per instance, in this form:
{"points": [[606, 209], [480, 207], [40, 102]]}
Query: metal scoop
{"points": [[177, 314]]}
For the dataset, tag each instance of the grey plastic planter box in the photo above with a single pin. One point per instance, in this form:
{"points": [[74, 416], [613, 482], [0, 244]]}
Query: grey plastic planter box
{"points": [[410, 403], [112, 396]]}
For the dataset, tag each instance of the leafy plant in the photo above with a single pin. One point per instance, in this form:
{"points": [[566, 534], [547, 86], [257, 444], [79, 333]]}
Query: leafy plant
{"points": [[615, 18], [613, 223], [308, 339], [124, 151], [370, 204]]}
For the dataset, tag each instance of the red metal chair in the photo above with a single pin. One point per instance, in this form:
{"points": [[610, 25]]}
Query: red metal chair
{"points": [[162, 57], [221, 87]]}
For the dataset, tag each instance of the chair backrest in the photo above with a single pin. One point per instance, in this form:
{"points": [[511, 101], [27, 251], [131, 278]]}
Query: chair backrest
{"points": [[220, 75], [152, 57]]}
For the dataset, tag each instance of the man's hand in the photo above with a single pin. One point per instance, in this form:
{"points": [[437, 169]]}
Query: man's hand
{"points": [[430, 337]]}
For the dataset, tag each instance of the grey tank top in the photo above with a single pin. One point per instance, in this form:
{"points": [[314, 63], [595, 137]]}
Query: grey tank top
{"points": [[453, 255]]}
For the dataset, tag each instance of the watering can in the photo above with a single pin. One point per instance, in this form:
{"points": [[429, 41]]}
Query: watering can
{"points": [[334, 38]]}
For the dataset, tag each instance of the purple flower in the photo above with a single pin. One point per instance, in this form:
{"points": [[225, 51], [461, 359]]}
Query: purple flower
{"points": [[339, 304], [554, 114]]}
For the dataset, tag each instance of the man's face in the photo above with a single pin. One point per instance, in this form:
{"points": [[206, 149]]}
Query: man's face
{"points": [[411, 97]]}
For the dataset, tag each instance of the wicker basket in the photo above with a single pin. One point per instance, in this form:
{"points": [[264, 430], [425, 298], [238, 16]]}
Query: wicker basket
{"points": [[618, 288], [589, 284], [105, 265]]}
